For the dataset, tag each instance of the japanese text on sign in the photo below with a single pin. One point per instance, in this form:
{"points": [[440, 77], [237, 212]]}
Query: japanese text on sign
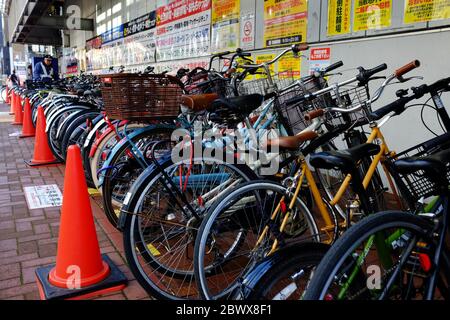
{"points": [[426, 10], [285, 21], [339, 13], [372, 14]]}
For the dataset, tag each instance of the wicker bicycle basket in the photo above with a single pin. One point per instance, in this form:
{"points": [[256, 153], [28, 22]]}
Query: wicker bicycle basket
{"points": [[141, 96]]}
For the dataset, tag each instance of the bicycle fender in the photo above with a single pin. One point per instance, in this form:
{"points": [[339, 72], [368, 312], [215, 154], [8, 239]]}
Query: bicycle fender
{"points": [[124, 141], [254, 276], [135, 189]]}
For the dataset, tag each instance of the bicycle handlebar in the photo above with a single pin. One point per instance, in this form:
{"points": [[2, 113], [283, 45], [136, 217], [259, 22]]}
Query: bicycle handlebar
{"points": [[296, 48], [399, 105]]}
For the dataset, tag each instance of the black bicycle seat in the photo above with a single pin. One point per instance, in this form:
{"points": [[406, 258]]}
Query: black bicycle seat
{"points": [[435, 166], [345, 160], [243, 105]]}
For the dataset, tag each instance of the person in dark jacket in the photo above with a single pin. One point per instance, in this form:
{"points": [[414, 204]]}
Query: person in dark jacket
{"points": [[14, 79], [43, 71]]}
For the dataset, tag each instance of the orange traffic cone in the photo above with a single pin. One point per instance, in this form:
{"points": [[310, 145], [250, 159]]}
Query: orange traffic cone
{"points": [[18, 115], [12, 101], [42, 153], [80, 270], [28, 129], [8, 100]]}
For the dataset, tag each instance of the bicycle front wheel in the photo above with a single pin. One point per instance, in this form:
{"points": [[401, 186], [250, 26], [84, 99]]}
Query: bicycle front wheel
{"points": [[378, 258], [241, 230]]}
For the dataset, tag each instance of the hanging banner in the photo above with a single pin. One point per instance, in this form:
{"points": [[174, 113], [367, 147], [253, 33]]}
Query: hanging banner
{"points": [[423, 11], [372, 14], [339, 13], [319, 59], [285, 21], [140, 37], [225, 25], [140, 24], [183, 29], [248, 31]]}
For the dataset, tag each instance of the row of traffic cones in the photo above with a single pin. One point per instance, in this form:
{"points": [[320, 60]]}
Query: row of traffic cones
{"points": [[80, 271]]}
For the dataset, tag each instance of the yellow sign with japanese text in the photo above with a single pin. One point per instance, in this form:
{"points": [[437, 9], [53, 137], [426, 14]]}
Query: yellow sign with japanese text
{"points": [[225, 25], [372, 14], [426, 10], [339, 15], [289, 67], [285, 21], [225, 10]]}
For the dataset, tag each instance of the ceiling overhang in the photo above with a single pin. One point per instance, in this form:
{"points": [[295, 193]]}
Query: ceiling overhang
{"points": [[37, 26]]}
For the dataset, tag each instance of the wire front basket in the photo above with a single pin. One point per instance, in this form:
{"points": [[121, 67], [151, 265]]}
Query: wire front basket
{"points": [[263, 87], [347, 98], [417, 185]]}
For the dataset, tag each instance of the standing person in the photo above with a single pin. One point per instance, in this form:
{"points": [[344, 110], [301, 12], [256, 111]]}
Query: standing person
{"points": [[14, 79], [43, 71]]}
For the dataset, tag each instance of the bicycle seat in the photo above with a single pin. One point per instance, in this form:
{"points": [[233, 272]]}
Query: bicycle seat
{"points": [[345, 160], [243, 105], [292, 143], [199, 102], [435, 166]]}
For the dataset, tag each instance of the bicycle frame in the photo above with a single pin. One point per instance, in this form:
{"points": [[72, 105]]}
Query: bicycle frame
{"points": [[305, 175]]}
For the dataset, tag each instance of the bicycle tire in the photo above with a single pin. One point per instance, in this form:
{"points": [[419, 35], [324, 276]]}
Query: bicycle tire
{"points": [[288, 262], [216, 210], [130, 233], [346, 244]]}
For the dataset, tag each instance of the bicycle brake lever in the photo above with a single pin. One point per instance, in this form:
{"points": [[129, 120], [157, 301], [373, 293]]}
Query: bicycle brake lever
{"points": [[403, 80], [377, 78], [333, 74]]}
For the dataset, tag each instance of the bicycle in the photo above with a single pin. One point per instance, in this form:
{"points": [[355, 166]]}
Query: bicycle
{"points": [[278, 219], [406, 248], [287, 273]]}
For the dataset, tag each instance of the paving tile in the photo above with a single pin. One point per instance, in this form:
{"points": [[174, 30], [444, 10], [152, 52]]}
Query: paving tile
{"points": [[8, 271], [28, 238]]}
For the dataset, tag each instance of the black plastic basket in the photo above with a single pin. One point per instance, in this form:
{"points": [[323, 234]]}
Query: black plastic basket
{"points": [[417, 185], [221, 86], [293, 116]]}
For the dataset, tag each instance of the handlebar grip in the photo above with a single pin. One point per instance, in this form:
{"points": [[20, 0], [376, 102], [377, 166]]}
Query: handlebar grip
{"points": [[297, 48], [245, 54], [221, 54], [334, 66], [376, 70], [407, 68], [314, 114]]}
